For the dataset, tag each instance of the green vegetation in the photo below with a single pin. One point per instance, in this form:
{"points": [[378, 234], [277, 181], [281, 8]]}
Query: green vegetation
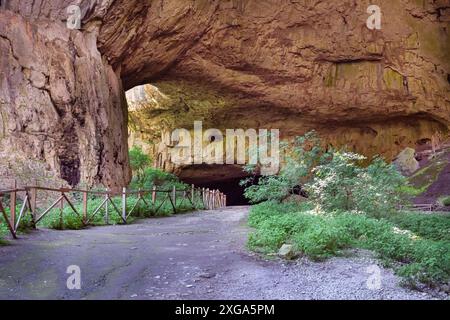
{"points": [[445, 201], [348, 206], [425, 177], [145, 177], [334, 180], [413, 245]]}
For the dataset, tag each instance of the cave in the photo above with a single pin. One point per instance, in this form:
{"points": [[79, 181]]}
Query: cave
{"points": [[230, 187], [299, 72], [225, 178]]}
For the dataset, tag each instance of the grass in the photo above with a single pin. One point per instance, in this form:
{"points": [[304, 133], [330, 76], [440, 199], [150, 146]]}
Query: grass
{"points": [[416, 245], [425, 177]]}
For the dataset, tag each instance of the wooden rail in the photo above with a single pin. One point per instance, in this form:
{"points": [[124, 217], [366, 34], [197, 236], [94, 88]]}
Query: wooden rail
{"points": [[420, 207], [210, 199]]}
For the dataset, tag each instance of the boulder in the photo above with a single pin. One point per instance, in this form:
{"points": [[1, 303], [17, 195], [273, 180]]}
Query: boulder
{"points": [[406, 161], [287, 252]]}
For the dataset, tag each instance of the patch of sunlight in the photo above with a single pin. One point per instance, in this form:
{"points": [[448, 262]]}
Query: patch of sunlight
{"points": [[407, 233]]}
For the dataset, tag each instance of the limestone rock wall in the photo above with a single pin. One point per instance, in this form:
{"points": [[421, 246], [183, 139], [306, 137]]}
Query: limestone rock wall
{"points": [[61, 106]]}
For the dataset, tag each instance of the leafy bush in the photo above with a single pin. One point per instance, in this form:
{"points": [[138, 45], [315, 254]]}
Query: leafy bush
{"points": [[341, 184], [334, 180], [139, 161], [322, 239], [445, 201], [301, 157], [428, 226], [145, 177]]}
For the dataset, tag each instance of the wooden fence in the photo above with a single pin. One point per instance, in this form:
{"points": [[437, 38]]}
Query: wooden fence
{"points": [[209, 199], [421, 207]]}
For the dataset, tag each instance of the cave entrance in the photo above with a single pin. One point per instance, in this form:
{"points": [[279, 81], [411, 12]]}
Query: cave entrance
{"points": [[225, 178]]}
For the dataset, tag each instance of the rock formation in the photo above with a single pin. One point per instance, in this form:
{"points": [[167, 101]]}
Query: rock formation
{"points": [[293, 65]]}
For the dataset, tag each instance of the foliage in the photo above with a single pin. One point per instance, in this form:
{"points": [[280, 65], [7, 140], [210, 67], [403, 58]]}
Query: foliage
{"points": [[300, 159], [429, 226], [420, 254], [341, 184], [71, 221], [145, 177], [139, 161], [333, 179], [157, 177], [445, 201]]}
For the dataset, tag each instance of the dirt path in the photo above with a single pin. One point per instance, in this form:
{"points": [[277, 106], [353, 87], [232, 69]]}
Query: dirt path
{"points": [[195, 256]]}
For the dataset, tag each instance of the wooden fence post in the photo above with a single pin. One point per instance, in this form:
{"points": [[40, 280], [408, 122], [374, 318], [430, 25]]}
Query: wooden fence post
{"points": [[106, 207], [203, 197], [33, 202], [207, 193], [85, 204], [211, 198], [124, 204], [193, 194], [12, 205], [174, 195], [154, 195], [61, 211]]}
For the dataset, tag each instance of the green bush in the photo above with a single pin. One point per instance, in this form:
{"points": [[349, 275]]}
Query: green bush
{"points": [[428, 226], [418, 250], [322, 238], [333, 179], [301, 158], [139, 161], [446, 201]]}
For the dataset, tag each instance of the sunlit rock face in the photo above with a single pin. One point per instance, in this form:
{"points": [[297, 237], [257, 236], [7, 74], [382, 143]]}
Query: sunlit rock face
{"points": [[292, 65]]}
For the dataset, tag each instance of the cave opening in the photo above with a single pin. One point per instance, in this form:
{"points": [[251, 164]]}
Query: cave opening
{"points": [[226, 178], [231, 187]]}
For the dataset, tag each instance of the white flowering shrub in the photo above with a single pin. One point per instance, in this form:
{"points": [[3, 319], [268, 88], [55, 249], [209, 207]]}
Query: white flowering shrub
{"points": [[343, 184], [334, 180]]}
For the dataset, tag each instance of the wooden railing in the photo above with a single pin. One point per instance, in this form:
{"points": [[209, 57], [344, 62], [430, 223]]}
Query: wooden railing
{"points": [[209, 199], [421, 207]]}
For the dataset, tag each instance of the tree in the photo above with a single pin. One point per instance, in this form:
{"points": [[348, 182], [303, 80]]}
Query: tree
{"points": [[139, 161], [334, 180]]}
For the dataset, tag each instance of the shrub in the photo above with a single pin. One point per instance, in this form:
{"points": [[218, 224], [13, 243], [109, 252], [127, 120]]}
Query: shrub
{"points": [[321, 239], [428, 226], [334, 180], [445, 201], [341, 184], [301, 157], [418, 253], [139, 161]]}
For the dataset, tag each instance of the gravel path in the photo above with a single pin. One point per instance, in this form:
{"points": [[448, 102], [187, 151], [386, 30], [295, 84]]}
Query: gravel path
{"points": [[194, 256]]}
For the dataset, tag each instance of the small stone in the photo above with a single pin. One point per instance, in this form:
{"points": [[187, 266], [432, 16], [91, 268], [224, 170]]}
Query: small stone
{"points": [[133, 295], [287, 252], [189, 286]]}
